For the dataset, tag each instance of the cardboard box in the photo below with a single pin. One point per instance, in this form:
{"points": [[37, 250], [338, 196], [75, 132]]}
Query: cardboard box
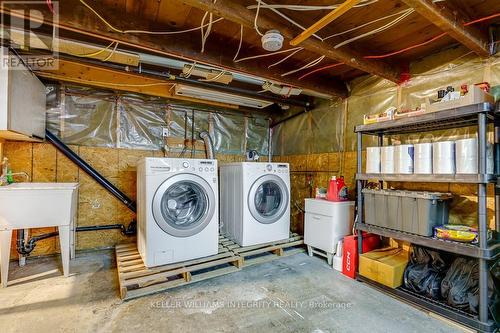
{"points": [[385, 266]]}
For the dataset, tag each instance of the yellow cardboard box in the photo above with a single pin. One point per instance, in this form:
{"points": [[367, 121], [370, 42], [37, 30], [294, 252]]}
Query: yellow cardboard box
{"points": [[385, 266]]}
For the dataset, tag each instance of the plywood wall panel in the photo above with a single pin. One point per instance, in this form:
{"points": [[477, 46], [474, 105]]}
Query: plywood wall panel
{"points": [[44, 163]]}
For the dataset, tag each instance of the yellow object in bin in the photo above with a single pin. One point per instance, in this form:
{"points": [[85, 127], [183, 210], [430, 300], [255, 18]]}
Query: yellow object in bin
{"points": [[385, 266], [456, 233]]}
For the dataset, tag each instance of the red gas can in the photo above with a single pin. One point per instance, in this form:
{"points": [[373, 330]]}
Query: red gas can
{"points": [[350, 255], [337, 190]]}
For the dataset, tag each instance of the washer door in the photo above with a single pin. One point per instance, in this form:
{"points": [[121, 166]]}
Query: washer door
{"points": [[183, 205], [268, 199]]}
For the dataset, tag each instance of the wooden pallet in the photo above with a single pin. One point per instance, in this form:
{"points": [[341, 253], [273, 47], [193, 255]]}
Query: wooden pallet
{"points": [[256, 254], [136, 280]]}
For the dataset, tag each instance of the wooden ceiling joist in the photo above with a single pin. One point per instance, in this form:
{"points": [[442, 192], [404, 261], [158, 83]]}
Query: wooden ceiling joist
{"points": [[445, 20], [74, 17], [238, 13]]}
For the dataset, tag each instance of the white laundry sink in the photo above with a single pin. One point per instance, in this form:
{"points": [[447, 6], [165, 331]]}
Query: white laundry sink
{"points": [[37, 205]]}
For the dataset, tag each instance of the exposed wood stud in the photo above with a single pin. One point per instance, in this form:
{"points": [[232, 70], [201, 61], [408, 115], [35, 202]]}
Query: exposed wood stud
{"points": [[468, 36]]}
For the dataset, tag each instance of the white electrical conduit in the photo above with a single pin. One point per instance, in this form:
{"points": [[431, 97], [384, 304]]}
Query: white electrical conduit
{"points": [[311, 64], [377, 30]]}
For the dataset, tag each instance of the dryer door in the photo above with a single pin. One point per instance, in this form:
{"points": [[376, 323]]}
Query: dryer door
{"points": [[183, 205], [268, 199]]}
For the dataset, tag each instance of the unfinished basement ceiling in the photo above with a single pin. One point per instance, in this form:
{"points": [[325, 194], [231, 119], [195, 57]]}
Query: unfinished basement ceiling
{"points": [[410, 32], [413, 29]]}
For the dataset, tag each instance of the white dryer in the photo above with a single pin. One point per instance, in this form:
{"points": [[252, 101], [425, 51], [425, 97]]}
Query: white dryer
{"points": [[255, 202], [177, 209]]}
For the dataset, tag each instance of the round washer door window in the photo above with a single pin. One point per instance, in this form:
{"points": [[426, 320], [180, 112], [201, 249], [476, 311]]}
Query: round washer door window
{"points": [[183, 205], [268, 199]]}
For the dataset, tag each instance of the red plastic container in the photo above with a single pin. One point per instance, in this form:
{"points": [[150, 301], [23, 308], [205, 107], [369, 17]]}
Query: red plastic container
{"points": [[350, 255], [337, 190]]}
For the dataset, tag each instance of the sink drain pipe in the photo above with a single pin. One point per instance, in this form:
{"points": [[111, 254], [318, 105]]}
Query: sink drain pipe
{"points": [[26, 247]]}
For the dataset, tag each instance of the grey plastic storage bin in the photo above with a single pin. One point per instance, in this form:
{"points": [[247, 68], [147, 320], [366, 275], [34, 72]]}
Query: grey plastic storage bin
{"points": [[422, 211], [383, 208], [413, 212]]}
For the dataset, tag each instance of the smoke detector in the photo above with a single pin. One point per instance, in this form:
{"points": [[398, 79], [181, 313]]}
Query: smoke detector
{"points": [[272, 41]]}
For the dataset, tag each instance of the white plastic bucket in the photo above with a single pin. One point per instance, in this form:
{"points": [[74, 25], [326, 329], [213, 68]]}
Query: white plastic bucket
{"points": [[422, 157], [403, 159], [373, 160], [387, 159], [443, 157]]}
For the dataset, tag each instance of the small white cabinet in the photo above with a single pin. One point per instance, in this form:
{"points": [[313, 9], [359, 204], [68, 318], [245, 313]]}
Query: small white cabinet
{"points": [[326, 223], [22, 102]]}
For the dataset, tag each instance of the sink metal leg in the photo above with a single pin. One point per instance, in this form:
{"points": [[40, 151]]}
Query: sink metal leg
{"points": [[64, 241], [5, 239]]}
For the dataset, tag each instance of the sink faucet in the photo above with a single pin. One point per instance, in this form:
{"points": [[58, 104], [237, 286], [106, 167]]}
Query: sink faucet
{"points": [[4, 181], [5, 175]]}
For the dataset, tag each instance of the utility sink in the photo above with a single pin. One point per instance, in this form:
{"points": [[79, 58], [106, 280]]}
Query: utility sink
{"points": [[37, 205]]}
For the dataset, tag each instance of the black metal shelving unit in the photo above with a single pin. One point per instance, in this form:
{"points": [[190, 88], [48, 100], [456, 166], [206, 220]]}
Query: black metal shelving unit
{"points": [[473, 115]]}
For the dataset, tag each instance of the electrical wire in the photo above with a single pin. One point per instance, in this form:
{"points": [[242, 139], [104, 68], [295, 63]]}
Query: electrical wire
{"points": [[239, 46], [377, 30], [51, 7], [382, 56], [267, 54], [190, 71], [142, 31], [311, 64], [285, 58], [255, 25], [93, 54], [111, 53], [320, 69], [291, 21], [310, 8], [367, 24]]}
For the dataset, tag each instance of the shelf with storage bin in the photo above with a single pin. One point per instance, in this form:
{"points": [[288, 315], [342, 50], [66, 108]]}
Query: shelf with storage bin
{"points": [[446, 119], [455, 178], [472, 115], [492, 252]]}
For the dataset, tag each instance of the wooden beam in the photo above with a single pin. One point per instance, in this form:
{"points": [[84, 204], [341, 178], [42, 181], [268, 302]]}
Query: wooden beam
{"points": [[74, 17], [238, 13], [445, 20], [324, 21], [96, 76]]}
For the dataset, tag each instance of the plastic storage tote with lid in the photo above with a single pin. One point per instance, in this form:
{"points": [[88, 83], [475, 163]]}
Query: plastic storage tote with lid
{"points": [[383, 208], [409, 211], [422, 211]]}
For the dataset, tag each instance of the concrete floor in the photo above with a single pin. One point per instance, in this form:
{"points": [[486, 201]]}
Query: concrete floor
{"points": [[292, 294]]}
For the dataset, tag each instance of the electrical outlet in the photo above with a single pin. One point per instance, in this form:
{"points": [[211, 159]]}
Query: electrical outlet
{"points": [[165, 131]]}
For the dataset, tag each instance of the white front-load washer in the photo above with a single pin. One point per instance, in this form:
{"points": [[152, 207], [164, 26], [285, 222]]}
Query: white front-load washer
{"points": [[177, 209], [255, 202]]}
